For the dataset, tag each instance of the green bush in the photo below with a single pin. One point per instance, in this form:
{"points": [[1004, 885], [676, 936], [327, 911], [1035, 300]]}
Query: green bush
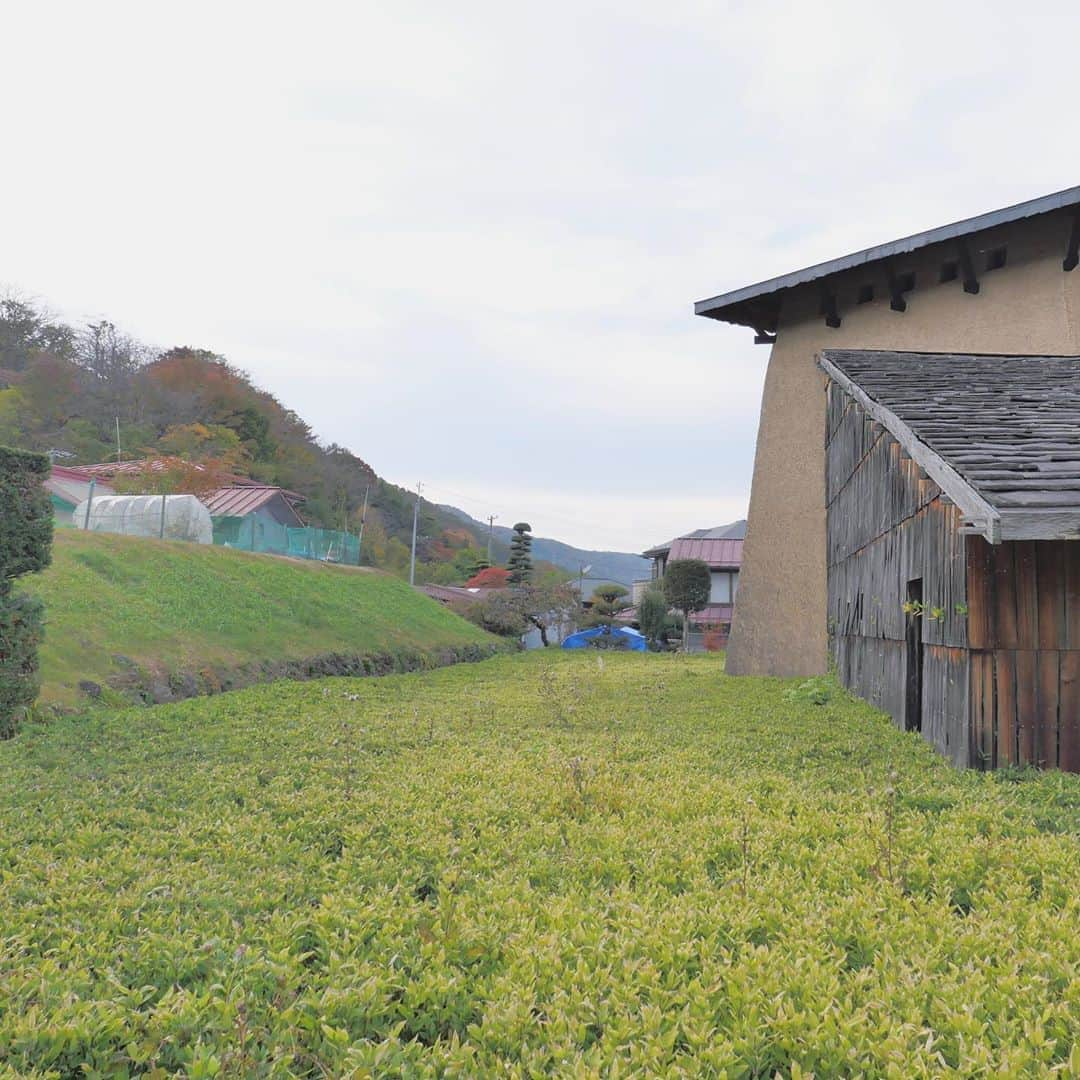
{"points": [[544, 865], [26, 526], [20, 634], [26, 521]]}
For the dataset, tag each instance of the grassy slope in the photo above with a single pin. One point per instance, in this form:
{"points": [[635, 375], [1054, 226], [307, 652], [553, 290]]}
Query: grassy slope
{"points": [[536, 866], [181, 607]]}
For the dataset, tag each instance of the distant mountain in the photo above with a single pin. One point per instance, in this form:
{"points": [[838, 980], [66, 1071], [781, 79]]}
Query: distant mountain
{"points": [[620, 566]]}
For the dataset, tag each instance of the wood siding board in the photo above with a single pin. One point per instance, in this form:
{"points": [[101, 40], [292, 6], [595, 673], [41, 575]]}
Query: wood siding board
{"points": [[1004, 597], [1005, 675], [1050, 571], [1069, 712], [980, 593], [1049, 675], [1027, 704], [1027, 598], [1072, 595]]}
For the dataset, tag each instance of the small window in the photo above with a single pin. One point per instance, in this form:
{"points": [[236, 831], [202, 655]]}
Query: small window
{"points": [[950, 271], [866, 294], [995, 259]]}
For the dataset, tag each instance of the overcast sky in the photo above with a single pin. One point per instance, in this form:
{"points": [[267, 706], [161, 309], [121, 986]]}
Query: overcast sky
{"points": [[464, 240]]}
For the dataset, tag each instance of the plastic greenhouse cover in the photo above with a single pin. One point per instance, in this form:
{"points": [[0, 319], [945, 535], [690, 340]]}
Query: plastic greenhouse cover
{"points": [[140, 515]]}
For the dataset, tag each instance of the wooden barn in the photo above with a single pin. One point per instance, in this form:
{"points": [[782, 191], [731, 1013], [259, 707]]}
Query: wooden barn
{"points": [[1006, 282], [953, 547]]}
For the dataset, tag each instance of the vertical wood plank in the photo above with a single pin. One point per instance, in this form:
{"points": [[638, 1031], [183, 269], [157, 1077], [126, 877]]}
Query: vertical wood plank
{"points": [[980, 593], [1050, 575], [1072, 594], [975, 717], [989, 723], [1048, 709], [1069, 712], [1027, 598], [1004, 596], [1005, 668], [1027, 703]]}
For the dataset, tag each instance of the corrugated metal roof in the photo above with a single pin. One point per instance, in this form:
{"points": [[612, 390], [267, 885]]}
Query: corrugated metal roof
{"points": [[717, 553], [238, 501], [735, 531], [757, 305], [71, 486]]}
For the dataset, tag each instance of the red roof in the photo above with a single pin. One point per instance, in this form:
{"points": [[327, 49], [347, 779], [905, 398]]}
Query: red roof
{"points": [[109, 469], [719, 554], [240, 500]]}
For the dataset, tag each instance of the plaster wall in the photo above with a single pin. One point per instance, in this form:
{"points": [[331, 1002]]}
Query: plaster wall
{"points": [[1030, 306]]}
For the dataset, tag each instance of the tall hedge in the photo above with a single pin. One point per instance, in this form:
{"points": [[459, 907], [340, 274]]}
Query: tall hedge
{"points": [[26, 529]]}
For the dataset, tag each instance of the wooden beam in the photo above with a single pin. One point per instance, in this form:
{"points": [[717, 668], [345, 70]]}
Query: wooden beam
{"points": [[967, 268], [828, 309], [1072, 253], [980, 515], [763, 337], [897, 303], [1059, 523]]}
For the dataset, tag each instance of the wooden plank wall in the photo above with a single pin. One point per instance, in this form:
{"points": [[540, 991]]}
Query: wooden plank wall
{"points": [[1024, 600], [888, 524]]}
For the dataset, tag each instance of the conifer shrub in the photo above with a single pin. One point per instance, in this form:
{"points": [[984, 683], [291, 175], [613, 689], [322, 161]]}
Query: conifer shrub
{"points": [[26, 527]]}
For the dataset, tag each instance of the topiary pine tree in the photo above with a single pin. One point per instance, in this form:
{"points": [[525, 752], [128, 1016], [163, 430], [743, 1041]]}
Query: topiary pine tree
{"points": [[520, 563], [687, 583]]}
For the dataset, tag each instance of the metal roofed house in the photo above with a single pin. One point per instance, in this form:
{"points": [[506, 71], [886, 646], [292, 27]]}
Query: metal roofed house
{"points": [[1002, 283], [953, 514], [721, 548], [263, 500], [67, 487], [241, 498]]}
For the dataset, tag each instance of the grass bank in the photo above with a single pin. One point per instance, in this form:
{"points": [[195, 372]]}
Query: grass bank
{"points": [[159, 618], [541, 865]]}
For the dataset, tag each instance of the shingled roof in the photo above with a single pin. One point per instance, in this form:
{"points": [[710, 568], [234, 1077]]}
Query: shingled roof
{"points": [[1000, 435]]}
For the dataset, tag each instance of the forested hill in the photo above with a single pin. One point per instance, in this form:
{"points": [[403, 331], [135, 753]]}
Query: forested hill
{"points": [[64, 388]]}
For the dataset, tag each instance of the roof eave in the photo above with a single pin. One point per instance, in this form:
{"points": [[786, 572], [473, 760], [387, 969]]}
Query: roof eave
{"points": [[734, 306]]}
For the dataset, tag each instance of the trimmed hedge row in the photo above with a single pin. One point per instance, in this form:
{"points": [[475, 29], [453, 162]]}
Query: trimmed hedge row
{"points": [[26, 528]]}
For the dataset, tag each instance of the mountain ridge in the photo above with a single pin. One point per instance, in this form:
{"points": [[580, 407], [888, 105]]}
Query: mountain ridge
{"points": [[623, 567]]}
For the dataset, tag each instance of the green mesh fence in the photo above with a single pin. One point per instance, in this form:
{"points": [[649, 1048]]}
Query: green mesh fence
{"points": [[252, 534]]}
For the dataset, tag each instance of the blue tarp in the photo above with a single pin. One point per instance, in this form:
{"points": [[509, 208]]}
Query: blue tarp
{"points": [[635, 640]]}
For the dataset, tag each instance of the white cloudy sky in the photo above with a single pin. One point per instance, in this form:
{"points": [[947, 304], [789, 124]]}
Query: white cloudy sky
{"points": [[464, 240]]}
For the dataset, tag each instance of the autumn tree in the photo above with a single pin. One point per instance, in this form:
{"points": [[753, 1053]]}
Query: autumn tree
{"points": [[174, 476]]}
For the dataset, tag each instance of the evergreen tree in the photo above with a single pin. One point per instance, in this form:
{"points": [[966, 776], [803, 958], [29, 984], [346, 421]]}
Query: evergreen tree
{"points": [[520, 564], [686, 587]]}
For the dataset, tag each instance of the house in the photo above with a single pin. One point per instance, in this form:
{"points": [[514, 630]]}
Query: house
{"points": [[67, 487], [1003, 283], [264, 504], [721, 549], [952, 522]]}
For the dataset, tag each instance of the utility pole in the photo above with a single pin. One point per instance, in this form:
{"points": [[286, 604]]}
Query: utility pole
{"points": [[363, 515], [118, 438], [415, 515], [491, 533]]}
